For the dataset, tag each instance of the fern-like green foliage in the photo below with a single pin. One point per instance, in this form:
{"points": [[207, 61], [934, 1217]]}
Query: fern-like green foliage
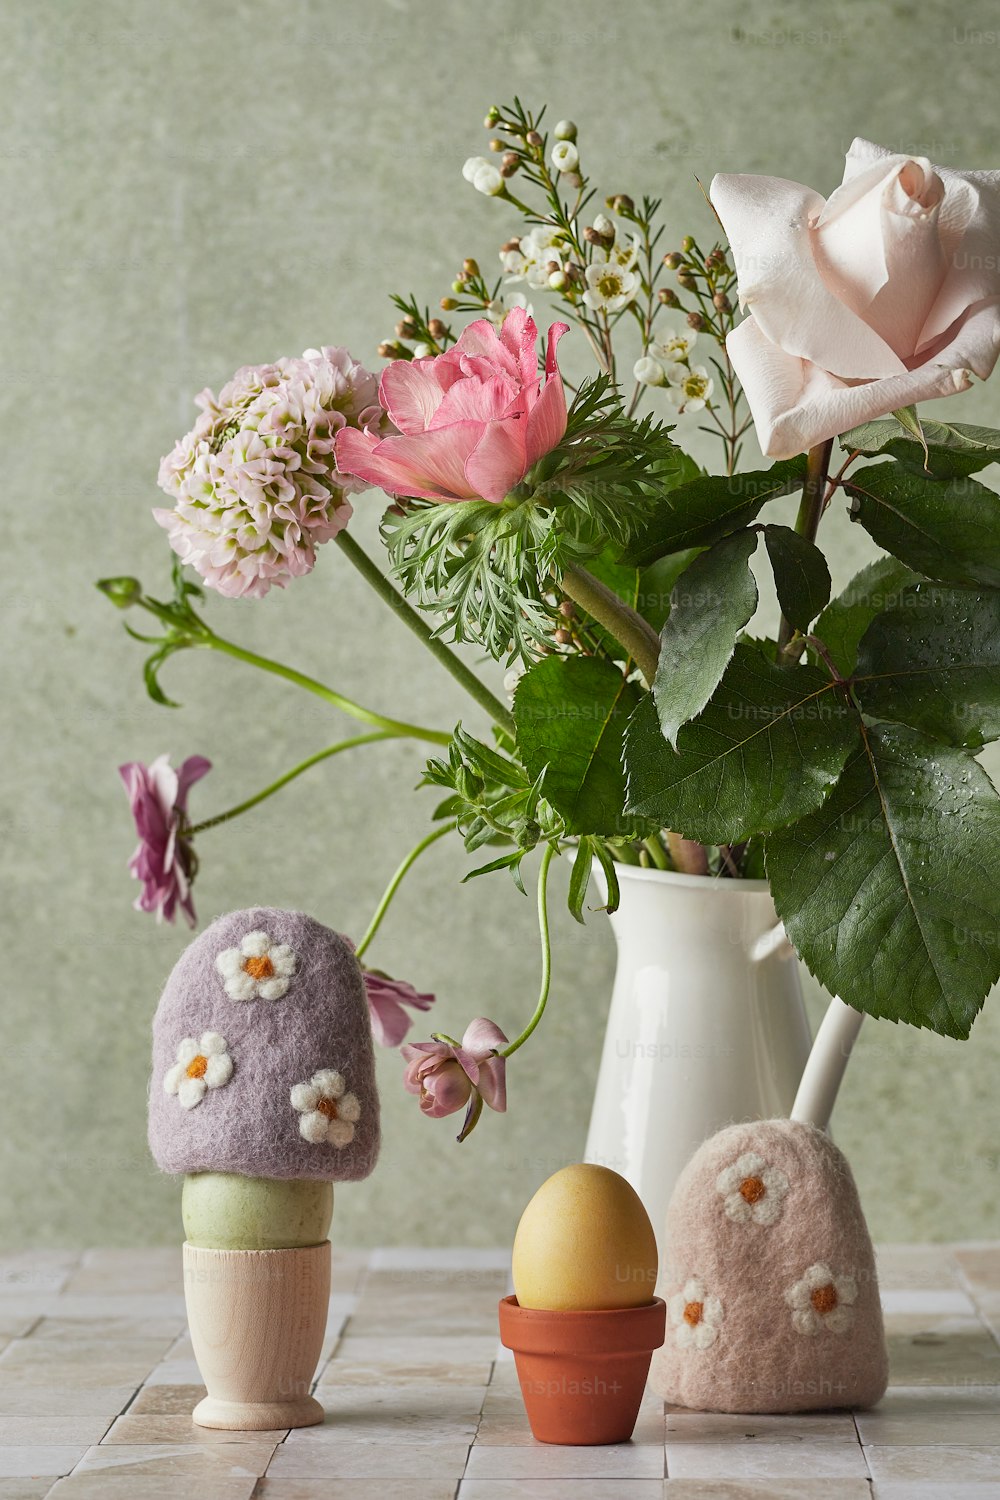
{"points": [[492, 572]]}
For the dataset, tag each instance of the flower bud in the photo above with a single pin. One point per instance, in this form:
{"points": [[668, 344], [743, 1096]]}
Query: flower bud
{"points": [[567, 609], [448, 304], [533, 138], [565, 156], [497, 145], [696, 321], [687, 244], [668, 296], [565, 131], [563, 637], [685, 279], [508, 245], [470, 267], [621, 203], [436, 328], [558, 281], [458, 285], [492, 116], [649, 371], [672, 260], [405, 329], [509, 163], [422, 351], [722, 302], [123, 592], [389, 350]]}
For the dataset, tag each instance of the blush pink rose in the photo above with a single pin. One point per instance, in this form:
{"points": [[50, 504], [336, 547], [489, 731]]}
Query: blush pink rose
{"points": [[882, 295], [471, 421], [448, 1078]]}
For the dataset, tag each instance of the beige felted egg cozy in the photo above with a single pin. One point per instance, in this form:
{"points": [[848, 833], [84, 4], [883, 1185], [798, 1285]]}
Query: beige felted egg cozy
{"points": [[769, 1278]]}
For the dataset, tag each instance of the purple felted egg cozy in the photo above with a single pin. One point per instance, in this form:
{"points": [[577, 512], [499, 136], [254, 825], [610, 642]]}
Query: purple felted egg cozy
{"points": [[769, 1278], [263, 1063]]}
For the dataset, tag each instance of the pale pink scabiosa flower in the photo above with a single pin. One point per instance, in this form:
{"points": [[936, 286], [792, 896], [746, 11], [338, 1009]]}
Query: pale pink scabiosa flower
{"points": [[164, 860], [471, 421], [255, 482], [386, 999], [449, 1078]]}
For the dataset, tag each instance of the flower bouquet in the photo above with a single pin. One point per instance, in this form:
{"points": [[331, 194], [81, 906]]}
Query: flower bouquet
{"points": [[562, 529]]}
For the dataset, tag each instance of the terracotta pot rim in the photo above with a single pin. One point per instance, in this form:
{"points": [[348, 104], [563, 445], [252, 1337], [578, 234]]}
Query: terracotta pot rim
{"points": [[612, 1330]]}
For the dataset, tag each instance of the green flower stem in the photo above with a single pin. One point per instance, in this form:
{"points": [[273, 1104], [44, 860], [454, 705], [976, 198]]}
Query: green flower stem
{"points": [[337, 700], [416, 622], [656, 852], [305, 765], [637, 636], [396, 882], [806, 524], [543, 932]]}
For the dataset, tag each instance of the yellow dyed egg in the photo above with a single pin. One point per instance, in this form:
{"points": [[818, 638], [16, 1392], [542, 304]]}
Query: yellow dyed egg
{"points": [[584, 1243]]}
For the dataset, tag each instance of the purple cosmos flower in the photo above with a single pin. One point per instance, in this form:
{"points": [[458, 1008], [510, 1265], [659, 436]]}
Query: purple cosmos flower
{"points": [[164, 860]]}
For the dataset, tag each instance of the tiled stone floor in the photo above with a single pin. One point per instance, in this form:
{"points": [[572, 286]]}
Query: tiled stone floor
{"points": [[97, 1382]]}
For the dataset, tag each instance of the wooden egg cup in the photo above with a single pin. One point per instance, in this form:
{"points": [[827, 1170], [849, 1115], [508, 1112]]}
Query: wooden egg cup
{"points": [[257, 1320]]}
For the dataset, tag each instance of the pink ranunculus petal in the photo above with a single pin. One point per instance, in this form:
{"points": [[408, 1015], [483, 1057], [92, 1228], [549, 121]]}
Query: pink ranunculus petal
{"points": [[499, 460], [387, 1001], [162, 861], [410, 393], [475, 400]]}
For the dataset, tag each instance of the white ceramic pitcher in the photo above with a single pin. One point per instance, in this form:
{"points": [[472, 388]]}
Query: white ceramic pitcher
{"points": [[706, 1027]]}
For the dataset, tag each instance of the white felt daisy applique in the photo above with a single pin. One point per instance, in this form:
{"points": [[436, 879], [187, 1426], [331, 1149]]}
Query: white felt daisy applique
{"points": [[696, 1316], [753, 1191], [822, 1302], [201, 1065], [328, 1112], [257, 969]]}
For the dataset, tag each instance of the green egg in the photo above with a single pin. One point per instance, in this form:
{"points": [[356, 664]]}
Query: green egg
{"points": [[223, 1211]]}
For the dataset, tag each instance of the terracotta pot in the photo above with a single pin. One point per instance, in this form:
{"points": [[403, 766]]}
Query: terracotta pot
{"points": [[582, 1374], [257, 1320]]}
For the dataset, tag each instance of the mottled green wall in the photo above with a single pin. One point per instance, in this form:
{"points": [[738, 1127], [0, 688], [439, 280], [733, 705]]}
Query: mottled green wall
{"points": [[190, 186]]}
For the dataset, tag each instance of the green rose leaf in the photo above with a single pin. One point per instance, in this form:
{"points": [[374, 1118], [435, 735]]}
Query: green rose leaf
{"points": [[571, 713], [646, 590], [766, 750], [846, 618], [932, 661], [948, 529], [700, 512], [953, 448], [890, 891], [710, 604], [801, 576]]}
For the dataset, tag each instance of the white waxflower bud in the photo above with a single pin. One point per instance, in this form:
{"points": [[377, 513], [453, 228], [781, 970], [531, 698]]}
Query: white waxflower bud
{"points": [[649, 371], [488, 180], [565, 156], [422, 351], [473, 165], [565, 131], [558, 281], [603, 225]]}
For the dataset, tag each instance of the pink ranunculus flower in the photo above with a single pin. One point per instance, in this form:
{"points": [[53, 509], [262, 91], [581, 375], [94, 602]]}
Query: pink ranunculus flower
{"points": [[882, 295], [164, 860], [386, 1000], [471, 421], [450, 1078]]}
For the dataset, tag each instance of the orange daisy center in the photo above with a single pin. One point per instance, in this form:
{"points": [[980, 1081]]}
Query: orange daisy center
{"points": [[197, 1067], [328, 1107], [693, 1313], [824, 1299], [259, 968], [752, 1189]]}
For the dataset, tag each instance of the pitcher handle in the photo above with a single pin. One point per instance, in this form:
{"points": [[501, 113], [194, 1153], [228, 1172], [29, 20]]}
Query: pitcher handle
{"points": [[831, 1048]]}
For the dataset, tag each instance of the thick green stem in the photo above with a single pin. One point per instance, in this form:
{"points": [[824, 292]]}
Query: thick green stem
{"points": [[337, 700], [304, 765], [637, 636], [416, 622], [543, 932], [809, 516], [396, 882]]}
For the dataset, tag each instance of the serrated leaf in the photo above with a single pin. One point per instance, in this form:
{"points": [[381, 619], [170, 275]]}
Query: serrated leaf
{"points": [[801, 576], [700, 512], [711, 603], [656, 584], [890, 891], [765, 751], [571, 713], [932, 661], [846, 618], [948, 529], [952, 448]]}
